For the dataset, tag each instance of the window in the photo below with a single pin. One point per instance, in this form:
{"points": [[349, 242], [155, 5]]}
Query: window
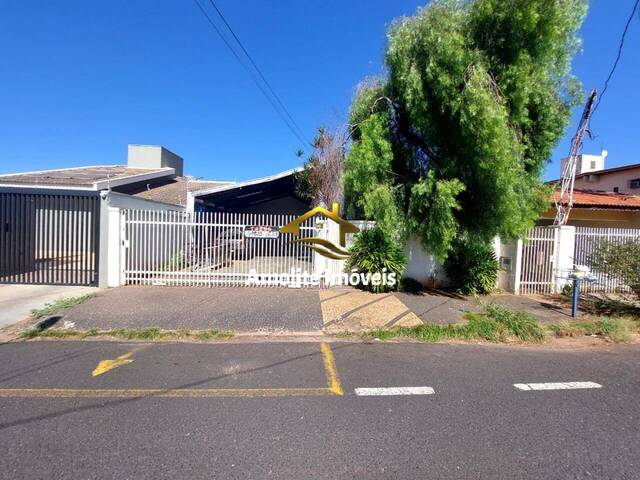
{"points": [[635, 183], [616, 190], [593, 164]]}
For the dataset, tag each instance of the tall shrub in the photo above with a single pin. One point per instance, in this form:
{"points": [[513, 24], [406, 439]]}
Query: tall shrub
{"points": [[472, 267], [374, 251], [620, 261], [453, 140]]}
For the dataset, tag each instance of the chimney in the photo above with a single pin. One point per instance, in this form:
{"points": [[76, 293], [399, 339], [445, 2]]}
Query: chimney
{"points": [[153, 156]]}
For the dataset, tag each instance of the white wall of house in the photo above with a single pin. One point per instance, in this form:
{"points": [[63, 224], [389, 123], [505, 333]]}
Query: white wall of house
{"points": [[122, 200], [153, 156]]}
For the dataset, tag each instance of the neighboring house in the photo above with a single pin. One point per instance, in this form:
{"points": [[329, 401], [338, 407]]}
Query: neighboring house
{"points": [[54, 223], [591, 174], [599, 209], [603, 197]]}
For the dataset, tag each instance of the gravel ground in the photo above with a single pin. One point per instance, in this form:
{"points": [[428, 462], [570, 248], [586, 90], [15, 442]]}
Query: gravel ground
{"points": [[196, 308]]}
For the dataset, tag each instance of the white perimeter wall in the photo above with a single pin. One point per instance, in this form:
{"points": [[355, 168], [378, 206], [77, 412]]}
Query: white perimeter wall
{"points": [[422, 265]]}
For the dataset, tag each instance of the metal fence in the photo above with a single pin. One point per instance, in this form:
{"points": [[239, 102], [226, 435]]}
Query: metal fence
{"points": [[212, 249], [538, 255], [49, 239], [588, 240]]}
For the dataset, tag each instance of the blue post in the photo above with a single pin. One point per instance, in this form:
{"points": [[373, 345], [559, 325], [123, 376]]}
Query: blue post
{"points": [[576, 294]]}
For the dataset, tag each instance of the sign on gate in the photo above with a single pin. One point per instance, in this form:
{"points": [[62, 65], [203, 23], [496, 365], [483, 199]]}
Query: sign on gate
{"points": [[261, 231]]}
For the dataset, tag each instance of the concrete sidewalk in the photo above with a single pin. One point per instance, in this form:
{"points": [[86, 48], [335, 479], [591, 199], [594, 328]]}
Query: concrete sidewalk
{"points": [[17, 301], [270, 310]]}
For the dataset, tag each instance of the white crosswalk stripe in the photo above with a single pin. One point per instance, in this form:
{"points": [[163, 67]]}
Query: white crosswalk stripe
{"points": [[383, 391], [556, 386]]}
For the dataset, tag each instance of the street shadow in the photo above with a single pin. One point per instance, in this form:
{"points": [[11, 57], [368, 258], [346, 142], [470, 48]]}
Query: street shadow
{"points": [[56, 360], [437, 292], [123, 401]]}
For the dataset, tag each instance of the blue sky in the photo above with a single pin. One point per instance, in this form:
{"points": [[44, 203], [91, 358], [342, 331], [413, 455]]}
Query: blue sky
{"points": [[82, 79]]}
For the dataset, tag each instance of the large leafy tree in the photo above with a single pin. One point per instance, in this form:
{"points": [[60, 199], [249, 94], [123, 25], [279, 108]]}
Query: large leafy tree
{"points": [[452, 141]]}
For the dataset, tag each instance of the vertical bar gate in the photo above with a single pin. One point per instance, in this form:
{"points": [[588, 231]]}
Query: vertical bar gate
{"points": [[538, 254], [211, 249], [49, 239], [588, 240]]}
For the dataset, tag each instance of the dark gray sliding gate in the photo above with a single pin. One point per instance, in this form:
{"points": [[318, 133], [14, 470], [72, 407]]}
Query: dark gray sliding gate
{"points": [[49, 239]]}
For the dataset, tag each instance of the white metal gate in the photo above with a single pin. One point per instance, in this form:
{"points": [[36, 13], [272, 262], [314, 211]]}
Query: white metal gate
{"points": [[211, 249], [538, 256], [588, 239]]}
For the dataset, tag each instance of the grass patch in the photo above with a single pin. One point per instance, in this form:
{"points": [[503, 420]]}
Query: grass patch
{"points": [[128, 334], [54, 307], [494, 323], [343, 334], [615, 329]]}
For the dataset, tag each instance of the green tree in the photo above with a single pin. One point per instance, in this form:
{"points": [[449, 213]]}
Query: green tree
{"points": [[452, 142], [320, 181]]}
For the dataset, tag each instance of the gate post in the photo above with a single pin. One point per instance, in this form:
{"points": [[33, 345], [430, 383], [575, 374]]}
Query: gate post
{"points": [[124, 245], [518, 267], [564, 254], [103, 240], [109, 274]]}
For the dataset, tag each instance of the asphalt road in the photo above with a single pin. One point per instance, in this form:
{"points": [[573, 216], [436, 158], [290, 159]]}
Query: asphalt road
{"points": [[276, 411]]}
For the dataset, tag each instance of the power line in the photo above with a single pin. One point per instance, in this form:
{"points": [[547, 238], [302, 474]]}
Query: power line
{"points": [[275, 95], [251, 74], [618, 56]]}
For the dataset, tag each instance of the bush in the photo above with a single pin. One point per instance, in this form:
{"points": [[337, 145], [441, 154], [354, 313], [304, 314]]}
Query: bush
{"points": [[620, 261], [374, 251], [514, 323], [472, 267]]}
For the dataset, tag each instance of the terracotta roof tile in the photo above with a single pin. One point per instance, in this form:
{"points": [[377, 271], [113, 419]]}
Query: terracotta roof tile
{"points": [[593, 198]]}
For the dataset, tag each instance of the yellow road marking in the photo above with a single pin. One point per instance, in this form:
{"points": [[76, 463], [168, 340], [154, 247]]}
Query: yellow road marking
{"points": [[334, 387], [105, 365], [330, 368], [162, 392]]}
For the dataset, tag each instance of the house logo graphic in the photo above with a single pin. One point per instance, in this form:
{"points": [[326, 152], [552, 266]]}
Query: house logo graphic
{"points": [[322, 246]]}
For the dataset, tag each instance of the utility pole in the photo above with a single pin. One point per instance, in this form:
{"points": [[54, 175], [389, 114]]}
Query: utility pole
{"points": [[564, 201]]}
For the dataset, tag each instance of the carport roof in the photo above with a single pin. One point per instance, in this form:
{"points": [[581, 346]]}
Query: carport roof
{"points": [[250, 192]]}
